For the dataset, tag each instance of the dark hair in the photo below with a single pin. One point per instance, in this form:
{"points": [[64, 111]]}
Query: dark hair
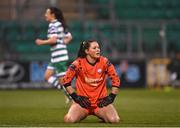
{"points": [[84, 45], [58, 15]]}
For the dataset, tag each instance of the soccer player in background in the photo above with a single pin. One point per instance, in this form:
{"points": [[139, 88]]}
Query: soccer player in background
{"points": [[91, 95], [58, 37]]}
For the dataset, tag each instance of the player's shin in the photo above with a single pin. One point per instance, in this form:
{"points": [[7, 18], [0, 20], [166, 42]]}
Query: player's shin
{"points": [[54, 81]]}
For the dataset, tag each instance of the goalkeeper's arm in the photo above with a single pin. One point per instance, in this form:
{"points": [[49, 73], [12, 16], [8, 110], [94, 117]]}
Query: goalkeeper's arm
{"points": [[81, 100], [115, 90], [108, 99]]}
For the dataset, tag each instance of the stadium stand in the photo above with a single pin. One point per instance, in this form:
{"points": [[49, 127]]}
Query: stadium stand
{"points": [[124, 26]]}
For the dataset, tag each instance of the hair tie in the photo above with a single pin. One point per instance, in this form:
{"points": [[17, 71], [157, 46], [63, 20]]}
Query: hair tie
{"points": [[84, 42]]}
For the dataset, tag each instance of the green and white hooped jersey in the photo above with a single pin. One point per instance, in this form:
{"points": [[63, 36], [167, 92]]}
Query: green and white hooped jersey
{"points": [[59, 51]]}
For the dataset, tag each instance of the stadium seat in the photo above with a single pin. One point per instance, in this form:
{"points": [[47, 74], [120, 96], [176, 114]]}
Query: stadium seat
{"points": [[151, 39], [29, 31], [138, 9], [41, 34], [105, 29], [12, 35], [89, 25], [12, 31], [24, 46], [2, 30], [73, 47], [75, 25]]}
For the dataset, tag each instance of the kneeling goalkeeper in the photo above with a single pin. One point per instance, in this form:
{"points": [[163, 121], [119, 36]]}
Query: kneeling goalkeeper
{"points": [[91, 98]]}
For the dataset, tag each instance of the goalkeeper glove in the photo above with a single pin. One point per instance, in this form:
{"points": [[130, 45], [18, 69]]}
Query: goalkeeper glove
{"points": [[106, 100], [81, 100]]}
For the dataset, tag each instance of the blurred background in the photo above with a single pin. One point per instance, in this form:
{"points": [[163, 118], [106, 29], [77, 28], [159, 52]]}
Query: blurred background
{"points": [[141, 37]]}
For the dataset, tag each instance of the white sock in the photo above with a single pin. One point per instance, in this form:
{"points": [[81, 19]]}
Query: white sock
{"points": [[54, 81]]}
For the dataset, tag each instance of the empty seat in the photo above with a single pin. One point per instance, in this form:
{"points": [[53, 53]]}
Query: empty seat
{"points": [[151, 39], [29, 31]]}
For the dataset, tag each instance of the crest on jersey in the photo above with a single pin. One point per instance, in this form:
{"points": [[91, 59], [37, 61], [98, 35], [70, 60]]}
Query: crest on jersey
{"points": [[99, 70]]}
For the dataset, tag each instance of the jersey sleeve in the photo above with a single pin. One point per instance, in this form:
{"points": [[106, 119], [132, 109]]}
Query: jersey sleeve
{"points": [[70, 74], [112, 74], [53, 31]]}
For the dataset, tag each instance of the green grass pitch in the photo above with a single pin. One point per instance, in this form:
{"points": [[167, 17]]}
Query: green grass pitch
{"points": [[46, 108]]}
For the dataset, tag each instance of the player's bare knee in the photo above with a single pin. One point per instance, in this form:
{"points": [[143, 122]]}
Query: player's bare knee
{"points": [[67, 119], [70, 119], [114, 119], [46, 77]]}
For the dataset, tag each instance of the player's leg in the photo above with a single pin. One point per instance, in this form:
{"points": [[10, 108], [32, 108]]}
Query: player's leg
{"points": [[52, 75], [108, 114], [61, 68], [68, 98], [51, 78], [75, 114]]}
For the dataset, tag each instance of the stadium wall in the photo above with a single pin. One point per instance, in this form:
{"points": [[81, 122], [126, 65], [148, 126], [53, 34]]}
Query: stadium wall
{"points": [[14, 74]]}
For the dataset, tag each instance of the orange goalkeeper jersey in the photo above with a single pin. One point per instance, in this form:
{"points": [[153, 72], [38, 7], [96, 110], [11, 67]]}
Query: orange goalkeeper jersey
{"points": [[91, 79]]}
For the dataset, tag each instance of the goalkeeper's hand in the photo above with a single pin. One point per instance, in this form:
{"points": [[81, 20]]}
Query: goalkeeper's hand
{"points": [[106, 100], [81, 100]]}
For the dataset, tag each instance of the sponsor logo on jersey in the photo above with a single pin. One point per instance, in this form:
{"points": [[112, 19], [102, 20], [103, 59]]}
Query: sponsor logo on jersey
{"points": [[93, 82], [99, 70]]}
